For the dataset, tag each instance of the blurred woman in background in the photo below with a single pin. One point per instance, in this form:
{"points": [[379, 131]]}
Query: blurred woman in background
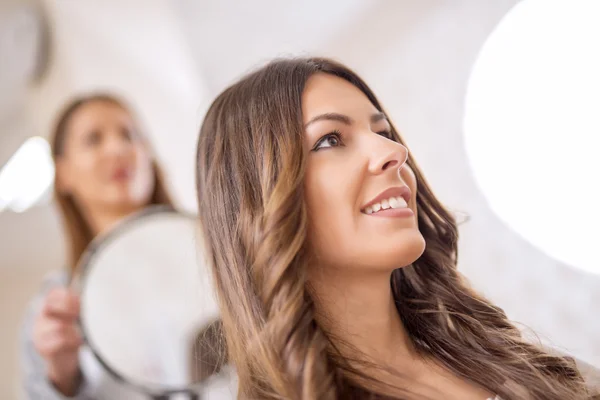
{"points": [[336, 265], [104, 172]]}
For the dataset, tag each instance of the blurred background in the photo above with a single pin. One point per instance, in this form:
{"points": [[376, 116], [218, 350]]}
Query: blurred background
{"points": [[499, 101]]}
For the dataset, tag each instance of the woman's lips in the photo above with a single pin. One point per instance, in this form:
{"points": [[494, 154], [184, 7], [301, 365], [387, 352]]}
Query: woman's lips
{"points": [[120, 175], [393, 213]]}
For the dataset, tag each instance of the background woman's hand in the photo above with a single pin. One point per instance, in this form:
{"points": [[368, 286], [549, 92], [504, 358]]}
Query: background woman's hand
{"points": [[56, 337]]}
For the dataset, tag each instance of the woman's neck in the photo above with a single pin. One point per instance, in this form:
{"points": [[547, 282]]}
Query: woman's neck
{"points": [[360, 314], [102, 219], [360, 311]]}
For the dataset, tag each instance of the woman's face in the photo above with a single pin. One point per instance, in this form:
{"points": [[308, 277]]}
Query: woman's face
{"points": [[360, 194], [104, 162]]}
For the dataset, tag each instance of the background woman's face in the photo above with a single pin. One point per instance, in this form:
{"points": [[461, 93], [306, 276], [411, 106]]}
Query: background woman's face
{"points": [[351, 162], [104, 162]]}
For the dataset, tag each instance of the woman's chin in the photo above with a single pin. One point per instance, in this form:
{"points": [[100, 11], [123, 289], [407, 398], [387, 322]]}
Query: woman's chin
{"points": [[124, 203], [409, 250], [125, 198]]}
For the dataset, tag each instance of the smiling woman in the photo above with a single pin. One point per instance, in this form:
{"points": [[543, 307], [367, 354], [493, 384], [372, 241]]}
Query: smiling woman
{"points": [[334, 262], [369, 170]]}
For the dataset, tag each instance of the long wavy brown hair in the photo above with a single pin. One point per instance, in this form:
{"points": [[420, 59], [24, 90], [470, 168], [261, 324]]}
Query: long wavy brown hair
{"points": [[250, 170], [78, 231]]}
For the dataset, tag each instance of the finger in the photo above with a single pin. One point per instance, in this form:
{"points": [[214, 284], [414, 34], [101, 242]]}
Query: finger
{"points": [[47, 326], [60, 342], [61, 328], [50, 327], [62, 303]]}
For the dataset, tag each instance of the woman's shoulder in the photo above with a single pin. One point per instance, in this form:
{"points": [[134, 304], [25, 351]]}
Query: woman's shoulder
{"points": [[53, 279]]}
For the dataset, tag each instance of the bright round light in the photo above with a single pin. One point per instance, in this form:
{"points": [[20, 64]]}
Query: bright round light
{"points": [[532, 126]]}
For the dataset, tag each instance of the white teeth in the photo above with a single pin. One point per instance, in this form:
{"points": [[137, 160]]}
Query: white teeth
{"points": [[392, 202], [401, 202]]}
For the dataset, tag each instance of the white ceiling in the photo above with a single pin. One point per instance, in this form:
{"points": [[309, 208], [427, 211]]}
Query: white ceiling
{"points": [[228, 38]]}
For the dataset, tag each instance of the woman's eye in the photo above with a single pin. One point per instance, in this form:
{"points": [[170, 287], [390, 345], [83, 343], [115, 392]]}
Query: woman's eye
{"points": [[93, 138], [333, 139], [126, 134], [386, 134]]}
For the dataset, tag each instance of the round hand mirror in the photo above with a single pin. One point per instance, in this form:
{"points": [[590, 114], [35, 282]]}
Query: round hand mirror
{"points": [[147, 304]]}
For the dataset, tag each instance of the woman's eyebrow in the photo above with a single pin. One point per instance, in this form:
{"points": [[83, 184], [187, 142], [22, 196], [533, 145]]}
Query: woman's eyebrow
{"points": [[330, 117], [343, 118]]}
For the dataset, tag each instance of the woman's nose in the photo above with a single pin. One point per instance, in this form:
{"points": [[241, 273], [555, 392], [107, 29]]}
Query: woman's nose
{"points": [[116, 146], [387, 155]]}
